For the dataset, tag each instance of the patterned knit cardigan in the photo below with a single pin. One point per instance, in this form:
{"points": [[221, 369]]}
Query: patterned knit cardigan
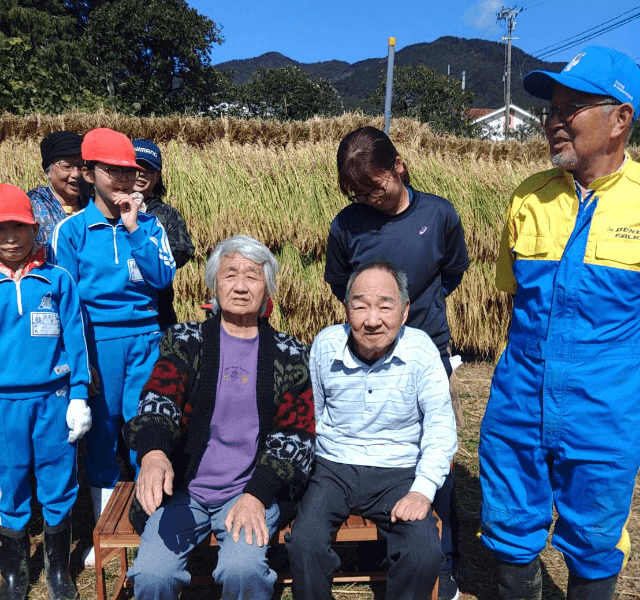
{"points": [[177, 403]]}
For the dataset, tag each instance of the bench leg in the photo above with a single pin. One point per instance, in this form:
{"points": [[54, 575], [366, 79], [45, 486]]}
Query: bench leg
{"points": [[103, 556], [101, 584]]}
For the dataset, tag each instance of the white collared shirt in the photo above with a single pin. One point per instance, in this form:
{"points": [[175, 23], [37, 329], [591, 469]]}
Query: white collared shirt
{"points": [[394, 413]]}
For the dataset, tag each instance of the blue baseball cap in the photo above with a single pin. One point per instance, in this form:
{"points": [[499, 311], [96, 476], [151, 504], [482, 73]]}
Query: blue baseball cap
{"points": [[148, 152], [595, 70]]}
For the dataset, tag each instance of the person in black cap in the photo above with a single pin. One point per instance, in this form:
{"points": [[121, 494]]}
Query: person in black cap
{"points": [[561, 426], [62, 162], [151, 186]]}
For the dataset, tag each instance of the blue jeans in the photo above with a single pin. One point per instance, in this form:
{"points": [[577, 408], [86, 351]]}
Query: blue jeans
{"points": [[159, 572]]}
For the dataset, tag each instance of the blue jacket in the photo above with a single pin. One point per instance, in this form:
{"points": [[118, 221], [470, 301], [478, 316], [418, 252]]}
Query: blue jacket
{"points": [[42, 341], [118, 273]]}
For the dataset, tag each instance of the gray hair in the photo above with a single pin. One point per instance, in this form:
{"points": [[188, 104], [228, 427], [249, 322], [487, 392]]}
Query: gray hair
{"points": [[398, 275], [609, 108], [248, 248]]}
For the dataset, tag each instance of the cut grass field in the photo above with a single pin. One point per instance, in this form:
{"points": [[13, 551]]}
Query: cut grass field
{"points": [[475, 576]]}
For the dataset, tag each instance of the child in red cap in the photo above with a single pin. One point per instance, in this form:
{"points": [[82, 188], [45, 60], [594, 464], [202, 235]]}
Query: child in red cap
{"points": [[43, 408], [120, 258]]}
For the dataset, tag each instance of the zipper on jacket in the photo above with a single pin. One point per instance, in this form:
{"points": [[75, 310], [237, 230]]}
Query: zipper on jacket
{"points": [[19, 296], [115, 245]]}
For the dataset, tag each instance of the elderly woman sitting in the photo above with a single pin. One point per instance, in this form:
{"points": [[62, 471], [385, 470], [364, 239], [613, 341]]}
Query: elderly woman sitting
{"points": [[224, 433]]}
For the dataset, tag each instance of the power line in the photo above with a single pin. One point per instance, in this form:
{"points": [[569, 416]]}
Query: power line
{"points": [[590, 37], [586, 31], [536, 4], [610, 25]]}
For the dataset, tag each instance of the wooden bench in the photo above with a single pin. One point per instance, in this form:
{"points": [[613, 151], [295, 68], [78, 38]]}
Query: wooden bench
{"points": [[114, 534]]}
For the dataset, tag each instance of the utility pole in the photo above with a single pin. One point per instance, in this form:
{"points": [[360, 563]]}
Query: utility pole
{"points": [[509, 15], [389, 90]]}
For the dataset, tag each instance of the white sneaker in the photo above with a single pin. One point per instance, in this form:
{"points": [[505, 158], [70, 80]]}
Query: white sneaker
{"points": [[89, 558], [99, 499]]}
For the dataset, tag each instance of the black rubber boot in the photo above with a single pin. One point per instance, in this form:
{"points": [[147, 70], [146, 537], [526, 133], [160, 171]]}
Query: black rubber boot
{"points": [[57, 549], [14, 566], [591, 589], [520, 582]]}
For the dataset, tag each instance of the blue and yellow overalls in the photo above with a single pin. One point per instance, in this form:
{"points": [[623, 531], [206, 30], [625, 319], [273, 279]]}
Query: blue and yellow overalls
{"points": [[562, 426]]}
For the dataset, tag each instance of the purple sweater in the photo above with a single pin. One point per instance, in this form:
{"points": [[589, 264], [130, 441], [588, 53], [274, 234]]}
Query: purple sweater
{"points": [[228, 460]]}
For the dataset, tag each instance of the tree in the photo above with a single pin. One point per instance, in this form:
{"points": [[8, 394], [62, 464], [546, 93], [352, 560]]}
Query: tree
{"points": [[140, 56], [152, 55], [41, 58], [287, 93], [422, 94]]}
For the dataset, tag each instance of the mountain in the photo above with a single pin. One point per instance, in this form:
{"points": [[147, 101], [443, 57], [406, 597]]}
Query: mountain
{"points": [[482, 61]]}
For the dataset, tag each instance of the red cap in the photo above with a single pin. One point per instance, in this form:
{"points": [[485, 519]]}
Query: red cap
{"points": [[110, 147], [15, 205]]}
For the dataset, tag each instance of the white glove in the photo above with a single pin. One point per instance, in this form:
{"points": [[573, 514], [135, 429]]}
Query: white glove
{"points": [[455, 362], [78, 419]]}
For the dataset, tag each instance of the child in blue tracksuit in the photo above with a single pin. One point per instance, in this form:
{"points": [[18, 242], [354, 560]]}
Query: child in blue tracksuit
{"points": [[120, 258], [43, 391]]}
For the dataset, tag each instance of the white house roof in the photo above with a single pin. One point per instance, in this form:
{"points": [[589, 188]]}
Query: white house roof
{"points": [[499, 112]]}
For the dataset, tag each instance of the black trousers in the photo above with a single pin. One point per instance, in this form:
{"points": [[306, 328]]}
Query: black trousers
{"points": [[336, 490], [445, 505]]}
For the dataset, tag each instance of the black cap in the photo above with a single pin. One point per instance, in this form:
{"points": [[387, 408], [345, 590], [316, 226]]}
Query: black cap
{"points": [[59, 143]]}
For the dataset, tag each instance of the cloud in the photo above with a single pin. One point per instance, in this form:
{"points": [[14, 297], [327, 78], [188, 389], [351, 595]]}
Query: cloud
{"points": [[483, 14]]}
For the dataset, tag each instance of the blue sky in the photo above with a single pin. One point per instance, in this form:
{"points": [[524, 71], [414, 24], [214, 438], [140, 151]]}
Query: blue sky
{"points": [[353, 30]]}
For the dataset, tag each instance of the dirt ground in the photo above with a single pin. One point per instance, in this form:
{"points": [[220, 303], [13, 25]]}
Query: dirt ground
{"points": [[475, 573]]}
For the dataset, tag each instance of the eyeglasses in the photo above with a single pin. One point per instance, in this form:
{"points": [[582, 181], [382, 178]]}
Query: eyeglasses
{"points": [[147, 172], [67, 167], [567, 111], [373, 195], [120, 172]]}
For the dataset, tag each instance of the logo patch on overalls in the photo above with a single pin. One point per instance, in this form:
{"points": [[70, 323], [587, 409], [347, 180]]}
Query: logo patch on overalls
{"points": [[45, 324], [45, 303], [134, 270]]}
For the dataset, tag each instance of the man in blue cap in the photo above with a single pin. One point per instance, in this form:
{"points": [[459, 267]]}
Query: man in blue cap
{"points": [[562, 427]]}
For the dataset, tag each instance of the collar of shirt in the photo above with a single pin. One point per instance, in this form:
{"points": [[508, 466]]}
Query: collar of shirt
{"points": [[602, 183], [35, 259], [351, 361], [93, 215], [584, 194], [75, 206]]}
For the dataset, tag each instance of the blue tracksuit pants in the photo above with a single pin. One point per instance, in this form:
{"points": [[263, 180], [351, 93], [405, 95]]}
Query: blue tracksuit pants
{"points": [[124, 365], [34, 436]]}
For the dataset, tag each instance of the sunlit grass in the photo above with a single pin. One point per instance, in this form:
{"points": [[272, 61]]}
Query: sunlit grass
{"points": [[277, 182]]}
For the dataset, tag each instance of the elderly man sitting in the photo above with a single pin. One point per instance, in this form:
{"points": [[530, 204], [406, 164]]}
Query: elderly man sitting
{"points": [[225, 420], [386, 435]]}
